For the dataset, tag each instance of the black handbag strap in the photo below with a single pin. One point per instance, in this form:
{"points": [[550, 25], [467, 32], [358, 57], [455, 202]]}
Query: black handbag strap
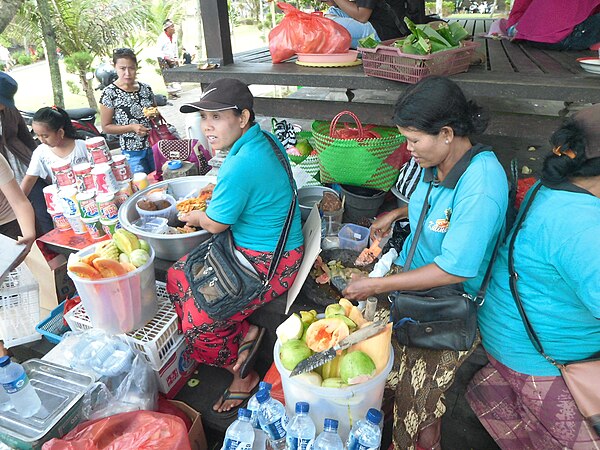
{"points": [[280, 248]]}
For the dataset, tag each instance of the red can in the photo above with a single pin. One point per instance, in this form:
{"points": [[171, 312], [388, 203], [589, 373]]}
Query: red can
{"points": [[63, 172], [107, 207], [104, 179], [51, 197], [121, 168], [83, 177], [98, 150]]}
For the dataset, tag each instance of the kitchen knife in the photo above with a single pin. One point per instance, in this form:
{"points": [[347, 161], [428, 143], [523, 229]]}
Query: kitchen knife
{"points": [[318, 359]]}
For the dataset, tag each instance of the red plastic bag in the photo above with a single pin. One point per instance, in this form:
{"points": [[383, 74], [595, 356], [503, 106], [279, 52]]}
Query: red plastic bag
{"points": [[272, 376], [136, 430], [300, 32]]}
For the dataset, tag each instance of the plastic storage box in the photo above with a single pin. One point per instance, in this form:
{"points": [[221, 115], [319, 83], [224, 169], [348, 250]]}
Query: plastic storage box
{"points": [[353, 237], [53, 327], [156, 340], [387, 61], [19, 307]]}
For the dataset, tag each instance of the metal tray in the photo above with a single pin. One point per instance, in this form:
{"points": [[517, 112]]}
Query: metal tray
{"points": [[59, 389]]}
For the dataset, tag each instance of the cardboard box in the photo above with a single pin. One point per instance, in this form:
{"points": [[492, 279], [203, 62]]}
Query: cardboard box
{"points": [[196, 432], [176, 371]]}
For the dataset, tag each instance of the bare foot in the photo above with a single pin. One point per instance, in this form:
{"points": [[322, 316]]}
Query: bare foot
{"points": [[250, 335], [238, 388]]}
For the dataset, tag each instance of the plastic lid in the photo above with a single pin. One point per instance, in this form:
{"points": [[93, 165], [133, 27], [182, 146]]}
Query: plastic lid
{"points": [[301, 407], [262, 396], [175, 164], [243, 412], [330, 425], [264, 385], [374, 416], [4, 361]]}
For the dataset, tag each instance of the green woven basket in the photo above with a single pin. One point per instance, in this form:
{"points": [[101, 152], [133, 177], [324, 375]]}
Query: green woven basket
{"points": [[368, 162]]}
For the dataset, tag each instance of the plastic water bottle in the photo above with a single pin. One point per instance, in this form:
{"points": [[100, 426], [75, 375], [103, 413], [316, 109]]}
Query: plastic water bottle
{"points": [[272, 419], [20, 391], [5, 404], [240, 434], [329, 439], [301, 429], [260, 437], [366, 434]]}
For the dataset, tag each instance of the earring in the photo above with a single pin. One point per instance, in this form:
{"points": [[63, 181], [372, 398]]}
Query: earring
{"points": [[447, 141]]}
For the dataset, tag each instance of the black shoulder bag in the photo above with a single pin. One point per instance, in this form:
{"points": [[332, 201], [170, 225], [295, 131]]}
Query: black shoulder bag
{"points": [[441, 318], [221, 284], [581, 377]]}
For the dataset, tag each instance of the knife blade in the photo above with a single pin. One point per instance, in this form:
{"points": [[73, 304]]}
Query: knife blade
{"points": [[318, 359]]}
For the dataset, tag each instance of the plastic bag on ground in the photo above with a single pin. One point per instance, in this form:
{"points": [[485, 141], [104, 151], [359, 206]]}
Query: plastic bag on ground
{"points": [[301, 32], [137, 430]]}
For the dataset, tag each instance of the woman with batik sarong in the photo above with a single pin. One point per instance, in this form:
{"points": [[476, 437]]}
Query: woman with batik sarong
{"points": [[252, 197], [467, 208], [520, 397]]}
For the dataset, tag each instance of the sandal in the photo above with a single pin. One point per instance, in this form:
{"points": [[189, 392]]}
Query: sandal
{"points": [[234, 395], [252, 347]]}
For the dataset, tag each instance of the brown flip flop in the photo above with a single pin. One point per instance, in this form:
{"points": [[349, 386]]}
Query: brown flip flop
{"points": [[252, 347]]}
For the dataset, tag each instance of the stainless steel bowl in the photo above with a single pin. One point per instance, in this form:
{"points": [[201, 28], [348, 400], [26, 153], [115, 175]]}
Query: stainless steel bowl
{"points": [[308, 196], [167, 246]]}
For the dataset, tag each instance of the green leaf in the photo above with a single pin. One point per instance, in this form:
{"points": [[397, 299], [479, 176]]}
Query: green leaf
{"points": [[458, 32], [369, 41]]}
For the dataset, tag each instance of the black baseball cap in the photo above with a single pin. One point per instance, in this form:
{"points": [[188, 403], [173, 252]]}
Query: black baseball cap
{"points": [[220, 95], [8, 89]]}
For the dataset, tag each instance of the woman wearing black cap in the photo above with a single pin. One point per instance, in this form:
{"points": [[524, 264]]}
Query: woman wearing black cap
{"points": [[251, 198], [520, 396]]}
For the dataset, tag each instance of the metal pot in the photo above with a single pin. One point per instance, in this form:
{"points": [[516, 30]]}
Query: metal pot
{"points": [[167, 246]]}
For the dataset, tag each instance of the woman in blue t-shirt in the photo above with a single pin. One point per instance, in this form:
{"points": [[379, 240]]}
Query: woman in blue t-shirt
{"points": [[252, 198], [467, 209], [519, 396]]}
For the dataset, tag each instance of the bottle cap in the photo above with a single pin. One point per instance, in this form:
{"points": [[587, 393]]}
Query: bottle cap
{"points": [[264, 385], [330, 425], [4, 361], [374, 416], [175, 164], [243, 412], [301, 407], [262, 396]]}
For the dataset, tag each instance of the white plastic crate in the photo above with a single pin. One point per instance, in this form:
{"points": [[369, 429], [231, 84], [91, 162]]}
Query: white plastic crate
{"points": [[155, 341], [19, 307]]}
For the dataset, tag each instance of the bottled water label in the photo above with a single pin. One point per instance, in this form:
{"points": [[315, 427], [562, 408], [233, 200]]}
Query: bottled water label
{"points": [[232, 444], [298, 443], [16, 385], [275, 430], [355, 445]]}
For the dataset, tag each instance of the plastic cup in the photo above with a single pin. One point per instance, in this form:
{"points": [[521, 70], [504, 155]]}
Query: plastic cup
{"points": [[94, 227], [77, 224], [110, 226], [140, 180], [59, 220]]}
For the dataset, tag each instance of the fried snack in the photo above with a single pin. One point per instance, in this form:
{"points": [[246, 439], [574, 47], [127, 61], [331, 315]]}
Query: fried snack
{"points": [[191, 204], [151, 112]]}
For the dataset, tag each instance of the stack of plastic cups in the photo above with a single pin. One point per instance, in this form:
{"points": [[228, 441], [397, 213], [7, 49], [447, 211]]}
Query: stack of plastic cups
{"points": [[88, 209], [108, 212], [54, 208], [83, 177], [67, 197], [122, 172]]}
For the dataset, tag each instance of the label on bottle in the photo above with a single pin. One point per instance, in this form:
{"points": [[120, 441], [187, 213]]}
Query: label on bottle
{"points": [[298, 443], [16, 385], [232, 444], [276, 430], [355, 445]]}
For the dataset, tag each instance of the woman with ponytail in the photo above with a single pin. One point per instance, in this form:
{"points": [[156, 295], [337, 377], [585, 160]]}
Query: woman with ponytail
{"points": [[59, 143], [520, 397], [468, 204]]}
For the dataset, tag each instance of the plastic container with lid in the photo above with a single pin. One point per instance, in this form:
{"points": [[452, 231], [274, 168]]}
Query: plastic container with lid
{"points": [[169, 213], [353, 237]]}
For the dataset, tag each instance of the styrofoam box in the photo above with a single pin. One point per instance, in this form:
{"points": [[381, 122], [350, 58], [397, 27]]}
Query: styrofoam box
{"points": [[19, 307], [156, 340]]}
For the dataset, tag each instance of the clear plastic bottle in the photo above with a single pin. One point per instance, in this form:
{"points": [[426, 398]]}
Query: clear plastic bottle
{"points": [[260, 437], [5, 404], [272, 419], [240, 434], [301, 429], [16, 383], [329, 439], [366, 434]]}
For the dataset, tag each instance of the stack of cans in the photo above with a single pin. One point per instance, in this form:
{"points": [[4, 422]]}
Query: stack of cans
{"points": [[87, 196]]}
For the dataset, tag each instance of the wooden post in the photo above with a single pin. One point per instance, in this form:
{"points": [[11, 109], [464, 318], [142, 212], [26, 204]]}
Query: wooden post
{"points": [[217, 34]]}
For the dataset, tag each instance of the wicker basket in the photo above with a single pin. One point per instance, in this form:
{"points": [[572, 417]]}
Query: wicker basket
{"points": [[387, 61]]}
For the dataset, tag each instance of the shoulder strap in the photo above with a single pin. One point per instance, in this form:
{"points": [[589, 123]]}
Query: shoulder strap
{"points": [[413, 245]]}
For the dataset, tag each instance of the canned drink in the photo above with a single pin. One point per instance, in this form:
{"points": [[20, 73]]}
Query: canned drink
{"points": [[86, 202], [104, 179], [67, 196], [98, 150], [121, 168], [110, 226], [94, 227], [60, 221], [140, 181], [76, 224], [63, 173], [51, 197], [83, 177], [107, 207]]}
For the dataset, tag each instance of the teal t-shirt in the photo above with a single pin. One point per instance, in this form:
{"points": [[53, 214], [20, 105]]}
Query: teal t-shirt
{"points": [[557, 258], [253, 195], [466, 213]]}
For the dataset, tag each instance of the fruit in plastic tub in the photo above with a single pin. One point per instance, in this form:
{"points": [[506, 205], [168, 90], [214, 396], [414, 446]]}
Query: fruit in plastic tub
{"points": [[325, 333], [333, 383], [357, 367], [311, 378], [126, 241], [292, 352], [290, 328]]}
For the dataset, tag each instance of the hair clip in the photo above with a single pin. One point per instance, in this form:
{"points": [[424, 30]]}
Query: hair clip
{"points": [[568, 152], [54, 107]]}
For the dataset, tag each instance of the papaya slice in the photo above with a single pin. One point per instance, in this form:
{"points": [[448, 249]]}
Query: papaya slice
{"points": [[325, 333], [128, 266], [83, 270], [89, 258], [347, 305], [108, 268], [356, 316]]}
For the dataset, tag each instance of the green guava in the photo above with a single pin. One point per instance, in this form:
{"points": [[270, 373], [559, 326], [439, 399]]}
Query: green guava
{"points": [[292, 352], [357, 367]]}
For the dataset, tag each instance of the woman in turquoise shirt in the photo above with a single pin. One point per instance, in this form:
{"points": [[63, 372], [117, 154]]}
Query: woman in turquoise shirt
{"points": [[519, 396], [252, 198], [467, 209]]}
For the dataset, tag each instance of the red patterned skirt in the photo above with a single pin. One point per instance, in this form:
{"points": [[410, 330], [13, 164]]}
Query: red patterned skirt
{"points": [[216, 342]]}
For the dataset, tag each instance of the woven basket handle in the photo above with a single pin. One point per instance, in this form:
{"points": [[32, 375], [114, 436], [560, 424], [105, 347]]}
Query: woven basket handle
{"points": [[333, 125]]}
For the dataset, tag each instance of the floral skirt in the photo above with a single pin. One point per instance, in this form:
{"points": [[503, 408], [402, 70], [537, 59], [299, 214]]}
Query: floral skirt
{"points": [[216, 342]]}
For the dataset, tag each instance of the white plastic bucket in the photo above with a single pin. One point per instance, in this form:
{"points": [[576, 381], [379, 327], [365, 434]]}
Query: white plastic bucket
{"points": [[119, 304], [346, 405]]}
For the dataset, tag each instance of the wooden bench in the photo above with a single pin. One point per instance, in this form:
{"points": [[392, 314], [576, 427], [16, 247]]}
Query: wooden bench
{"points": [[511, 72]]}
